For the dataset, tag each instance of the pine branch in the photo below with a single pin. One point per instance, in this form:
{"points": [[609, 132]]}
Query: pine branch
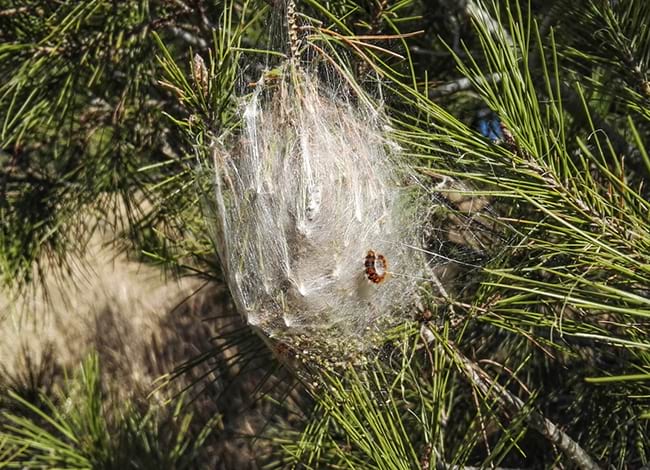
{"points": [[460, 84], [513, 405]]}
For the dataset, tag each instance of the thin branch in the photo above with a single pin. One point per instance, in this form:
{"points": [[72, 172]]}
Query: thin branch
{"points": [[535, 419], [189, 37], [477, 11], [461, 84], [14, 11]]}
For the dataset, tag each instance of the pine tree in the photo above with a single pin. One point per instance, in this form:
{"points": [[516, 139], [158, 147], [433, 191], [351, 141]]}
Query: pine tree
{"points": [[526, 123]]}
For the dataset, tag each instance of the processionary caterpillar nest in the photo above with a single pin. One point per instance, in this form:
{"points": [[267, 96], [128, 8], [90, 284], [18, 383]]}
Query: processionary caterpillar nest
{"points": [[311, 187]]}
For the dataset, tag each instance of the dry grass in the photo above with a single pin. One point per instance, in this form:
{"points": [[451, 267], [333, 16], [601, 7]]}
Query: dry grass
{"points": [[109, 303], [142, 326]]}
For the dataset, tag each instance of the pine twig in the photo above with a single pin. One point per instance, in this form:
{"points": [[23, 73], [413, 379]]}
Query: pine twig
{"points": [[460, 84], [535, 419]]}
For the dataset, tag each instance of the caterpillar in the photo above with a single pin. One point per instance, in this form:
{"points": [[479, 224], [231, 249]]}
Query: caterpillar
{"points": [[376, 267]]}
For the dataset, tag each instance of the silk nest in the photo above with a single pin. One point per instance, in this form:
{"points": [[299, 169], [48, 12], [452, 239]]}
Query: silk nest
{"points": [[317, 219]]}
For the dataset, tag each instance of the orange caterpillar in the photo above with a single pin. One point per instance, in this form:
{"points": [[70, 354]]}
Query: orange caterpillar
{"points": [[376, 267]]}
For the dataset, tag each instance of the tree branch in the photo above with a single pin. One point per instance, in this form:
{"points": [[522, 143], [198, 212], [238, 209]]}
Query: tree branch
{"points": [[460, 84], [535, 419]]}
